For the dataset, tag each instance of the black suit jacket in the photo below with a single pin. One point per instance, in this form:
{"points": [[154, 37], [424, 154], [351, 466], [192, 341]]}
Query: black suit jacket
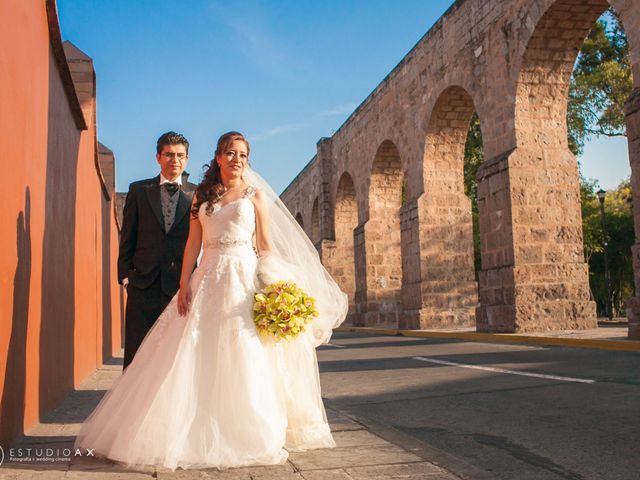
{"points": [[146, 251]]}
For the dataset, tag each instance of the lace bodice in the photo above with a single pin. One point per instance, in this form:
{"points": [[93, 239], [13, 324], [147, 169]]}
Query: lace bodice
{"points": [[229, 225]]}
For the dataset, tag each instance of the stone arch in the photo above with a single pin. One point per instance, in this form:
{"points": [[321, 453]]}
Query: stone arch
{"points": [[315, 221], [446, 265], [345, 221], [446, 135], [545, 73], [299, 220], [377, 243], [549, 271]]}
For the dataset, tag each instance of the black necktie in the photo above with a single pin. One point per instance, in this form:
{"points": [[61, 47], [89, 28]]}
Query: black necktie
{"points": [[171, 187]]}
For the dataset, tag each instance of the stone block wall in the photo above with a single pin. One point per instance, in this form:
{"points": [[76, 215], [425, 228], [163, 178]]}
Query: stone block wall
{"points": [[411, 263]]}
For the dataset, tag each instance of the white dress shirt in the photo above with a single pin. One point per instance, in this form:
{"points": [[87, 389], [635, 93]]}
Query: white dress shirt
{"points": [[163, 179]]}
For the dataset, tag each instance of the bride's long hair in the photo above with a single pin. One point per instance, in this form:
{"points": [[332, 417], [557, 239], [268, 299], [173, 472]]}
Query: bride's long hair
{"points": [[211, 187]]}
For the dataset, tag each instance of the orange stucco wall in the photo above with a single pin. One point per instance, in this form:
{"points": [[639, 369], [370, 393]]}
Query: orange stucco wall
{"points": [[60, 304]]}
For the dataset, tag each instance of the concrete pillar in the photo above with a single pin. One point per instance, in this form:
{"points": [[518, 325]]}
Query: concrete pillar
{"points": [[345, 219], [378, 274], [360, 260], [633, 139], [534, 276], [439, 288], [411, 272]]}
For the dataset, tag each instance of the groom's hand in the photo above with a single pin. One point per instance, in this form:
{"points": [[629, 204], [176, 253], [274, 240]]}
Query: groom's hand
{"points": [[184, 300]]}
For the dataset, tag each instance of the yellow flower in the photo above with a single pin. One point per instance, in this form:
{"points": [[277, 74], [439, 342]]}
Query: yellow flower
{"points": [[282, 310]]}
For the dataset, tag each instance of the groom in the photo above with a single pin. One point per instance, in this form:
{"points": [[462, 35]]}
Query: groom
{"points": [[154, 232]]}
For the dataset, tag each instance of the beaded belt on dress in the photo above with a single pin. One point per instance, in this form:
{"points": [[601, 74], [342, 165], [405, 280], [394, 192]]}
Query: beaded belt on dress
{"points": [[222, 242]]}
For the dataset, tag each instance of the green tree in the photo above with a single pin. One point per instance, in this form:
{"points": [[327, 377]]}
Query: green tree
{"points": [[600, 85], [620, 237], [591, 224], [473, 157]]}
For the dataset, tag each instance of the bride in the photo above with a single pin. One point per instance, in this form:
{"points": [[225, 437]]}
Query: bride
{"points": [[204, 390]]}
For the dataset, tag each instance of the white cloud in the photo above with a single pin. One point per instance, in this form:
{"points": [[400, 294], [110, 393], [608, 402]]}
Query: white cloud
{"points": [[344, 109], [254, 35], [290, 127], [259, 47]]}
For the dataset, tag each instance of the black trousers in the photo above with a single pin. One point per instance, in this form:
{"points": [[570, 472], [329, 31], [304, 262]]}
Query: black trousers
{"points": [[144, 306]]}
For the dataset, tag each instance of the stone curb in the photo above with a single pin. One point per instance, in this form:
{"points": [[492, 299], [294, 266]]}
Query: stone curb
{"points": [[618, 345]]}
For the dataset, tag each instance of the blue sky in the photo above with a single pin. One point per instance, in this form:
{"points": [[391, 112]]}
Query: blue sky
{"points": [[285, 73]]}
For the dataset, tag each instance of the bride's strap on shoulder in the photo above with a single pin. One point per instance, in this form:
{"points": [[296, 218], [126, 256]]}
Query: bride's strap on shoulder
{"points": [[250, 191]]}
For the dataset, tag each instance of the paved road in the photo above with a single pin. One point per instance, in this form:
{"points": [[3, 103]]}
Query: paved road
{"points": [[577, 418]]}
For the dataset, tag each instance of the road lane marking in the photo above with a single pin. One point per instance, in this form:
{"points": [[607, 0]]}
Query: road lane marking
{"points": [[502, 370], [334, 345]]}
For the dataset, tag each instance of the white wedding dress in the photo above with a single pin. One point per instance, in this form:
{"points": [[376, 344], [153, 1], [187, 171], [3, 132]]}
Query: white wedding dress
{"points": [[204, 390]]}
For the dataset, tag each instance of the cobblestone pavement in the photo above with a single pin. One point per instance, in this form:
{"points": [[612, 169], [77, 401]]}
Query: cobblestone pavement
{"points": [[360, 454]]}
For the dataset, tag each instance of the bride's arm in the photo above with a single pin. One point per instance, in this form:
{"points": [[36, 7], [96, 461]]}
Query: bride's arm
{"points": [[270, 268], [263, 238], [191, 252]]}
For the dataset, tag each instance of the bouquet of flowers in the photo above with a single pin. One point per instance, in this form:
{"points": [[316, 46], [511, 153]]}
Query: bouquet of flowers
{"points": [[283, 310]]}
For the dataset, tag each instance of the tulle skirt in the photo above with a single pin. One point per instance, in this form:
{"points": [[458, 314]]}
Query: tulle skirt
{"points": [[204, 390]]}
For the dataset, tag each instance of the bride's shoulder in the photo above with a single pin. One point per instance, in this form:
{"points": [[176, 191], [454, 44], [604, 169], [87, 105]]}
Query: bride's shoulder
{"points": [[254, 193], [259, 199]]}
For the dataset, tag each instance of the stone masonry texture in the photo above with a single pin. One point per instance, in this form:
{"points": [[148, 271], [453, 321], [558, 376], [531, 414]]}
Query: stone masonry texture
{"points": [[383, 200]]}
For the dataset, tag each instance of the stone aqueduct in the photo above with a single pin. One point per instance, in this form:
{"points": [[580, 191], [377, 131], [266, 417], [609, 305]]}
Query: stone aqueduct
{"points": [[383, 199]]}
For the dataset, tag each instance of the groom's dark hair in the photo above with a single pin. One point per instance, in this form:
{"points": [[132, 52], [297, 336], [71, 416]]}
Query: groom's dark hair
{"points": [[172, 138]]}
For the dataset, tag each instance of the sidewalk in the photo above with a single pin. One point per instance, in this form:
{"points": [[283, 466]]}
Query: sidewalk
{"points": [[606, 337], [360, 454]]}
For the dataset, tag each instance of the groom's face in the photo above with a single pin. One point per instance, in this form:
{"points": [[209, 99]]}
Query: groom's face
{"points": [[172, 160]]}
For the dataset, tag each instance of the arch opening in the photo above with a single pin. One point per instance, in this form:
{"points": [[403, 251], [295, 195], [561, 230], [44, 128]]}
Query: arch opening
{"points": [[547, 197], [315, 222], [378, 247], [346, 220], [473, 158], [601, 84], [446, 264], [545, 76]]}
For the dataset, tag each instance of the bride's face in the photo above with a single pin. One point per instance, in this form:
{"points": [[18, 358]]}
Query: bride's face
{"points": [[233, 161]]}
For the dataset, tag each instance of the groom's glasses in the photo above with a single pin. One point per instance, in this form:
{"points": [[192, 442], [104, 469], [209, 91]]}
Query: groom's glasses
{"points": [[171, 155]]}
